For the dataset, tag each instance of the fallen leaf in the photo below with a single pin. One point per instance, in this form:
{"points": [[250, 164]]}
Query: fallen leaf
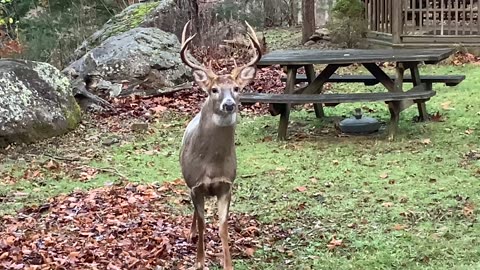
{"points": [[334, 243], [10, 240], [52, 165], [267, 139], [468, 209], [4, 256], [159, 109], [387, 204], [250, 252], [301, 189], [437, 117], [100, 226], [399, 227], [446, 105]]}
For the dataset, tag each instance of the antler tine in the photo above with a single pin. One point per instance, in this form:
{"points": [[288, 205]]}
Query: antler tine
{"points": [[183, 52], [254, 41]]}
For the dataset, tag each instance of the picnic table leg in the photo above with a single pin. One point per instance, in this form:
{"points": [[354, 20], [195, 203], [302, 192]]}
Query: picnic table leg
{"points": [[310, 72], [422, 107], [285, 112]]}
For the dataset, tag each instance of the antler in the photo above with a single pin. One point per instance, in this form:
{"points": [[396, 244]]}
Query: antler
{"points": [[256, 44], [183, 53]]}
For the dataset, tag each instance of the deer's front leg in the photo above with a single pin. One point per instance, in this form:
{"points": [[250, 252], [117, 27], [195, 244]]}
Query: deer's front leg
{"points": [[199, 203], [223, 208]]}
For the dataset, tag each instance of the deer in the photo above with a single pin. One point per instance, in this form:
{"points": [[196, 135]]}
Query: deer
{"points": [[208, 158]]}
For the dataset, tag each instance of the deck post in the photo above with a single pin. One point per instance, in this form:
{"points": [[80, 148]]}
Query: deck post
{"points": [[397, 21]]}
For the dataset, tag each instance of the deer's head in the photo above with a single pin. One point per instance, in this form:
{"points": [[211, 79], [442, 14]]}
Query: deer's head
{"points": [[223, 90]]}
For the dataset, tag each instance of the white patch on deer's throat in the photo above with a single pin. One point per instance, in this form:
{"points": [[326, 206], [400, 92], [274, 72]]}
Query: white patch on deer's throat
{"points": [[224, 120]]}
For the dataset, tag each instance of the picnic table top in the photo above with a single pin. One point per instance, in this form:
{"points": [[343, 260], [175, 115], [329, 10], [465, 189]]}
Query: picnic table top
{"points": [[349, 56]]}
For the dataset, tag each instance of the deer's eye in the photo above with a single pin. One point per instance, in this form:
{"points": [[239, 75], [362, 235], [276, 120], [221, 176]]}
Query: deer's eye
{"points": [[236, 89], [215, 90]]}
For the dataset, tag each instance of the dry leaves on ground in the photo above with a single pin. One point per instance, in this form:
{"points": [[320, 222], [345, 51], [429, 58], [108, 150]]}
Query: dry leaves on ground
{"points": [[119, 227]]}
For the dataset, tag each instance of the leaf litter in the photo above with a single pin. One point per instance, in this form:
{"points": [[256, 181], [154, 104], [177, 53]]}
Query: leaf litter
{"points": [[123, 226]]}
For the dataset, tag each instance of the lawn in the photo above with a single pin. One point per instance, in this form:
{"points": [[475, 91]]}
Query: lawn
{"points": [[347, 202]]}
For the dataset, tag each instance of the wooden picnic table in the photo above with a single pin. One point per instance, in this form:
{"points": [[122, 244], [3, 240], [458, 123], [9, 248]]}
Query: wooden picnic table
{"points": [[397, 98]]}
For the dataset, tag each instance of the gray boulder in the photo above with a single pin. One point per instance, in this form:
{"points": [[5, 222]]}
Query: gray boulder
{"points": [[36, 102], [129, 18], [146, 56], [169, 16]]}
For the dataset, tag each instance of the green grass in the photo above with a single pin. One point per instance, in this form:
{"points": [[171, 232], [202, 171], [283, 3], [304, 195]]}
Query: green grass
{"points": [[395, 205]]}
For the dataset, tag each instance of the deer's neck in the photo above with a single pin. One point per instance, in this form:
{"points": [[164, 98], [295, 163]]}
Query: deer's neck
{"points": [[218, 130]]}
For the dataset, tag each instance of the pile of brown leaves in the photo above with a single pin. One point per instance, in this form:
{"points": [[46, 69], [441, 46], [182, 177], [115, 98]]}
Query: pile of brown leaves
{"points": [[190, 101], [461, 58], [120, 227]]}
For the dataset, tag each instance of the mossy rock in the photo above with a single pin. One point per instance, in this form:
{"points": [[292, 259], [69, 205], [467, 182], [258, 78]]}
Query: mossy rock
{"points": [[129, 18], [37, 102]]}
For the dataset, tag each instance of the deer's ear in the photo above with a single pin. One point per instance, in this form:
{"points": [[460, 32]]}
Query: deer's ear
{"points": [[246, 75], [201, 78]]}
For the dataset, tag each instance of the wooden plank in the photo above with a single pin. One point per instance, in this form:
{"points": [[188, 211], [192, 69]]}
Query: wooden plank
{"points": [[377, 15], [471, 18], [449, 16], [464, 19], [456, 18], [435, 10], [414, 13], [420, 16], [405, 15], [380, 75], [349, 56], [388, 12], [422, 108], [478, 18], [398, 82], [448, 80], [473, 39], [285, 114], [310, 74], [427, 17], [316, 85], [415, 94]]}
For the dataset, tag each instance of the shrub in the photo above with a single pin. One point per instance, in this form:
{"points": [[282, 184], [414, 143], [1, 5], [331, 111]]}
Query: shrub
{"points": [[348, 25]]}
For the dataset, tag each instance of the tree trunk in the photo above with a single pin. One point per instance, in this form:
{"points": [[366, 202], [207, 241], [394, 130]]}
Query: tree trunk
{"points": [[308, 27], [195, 23], [291, 18], [269, 9]]}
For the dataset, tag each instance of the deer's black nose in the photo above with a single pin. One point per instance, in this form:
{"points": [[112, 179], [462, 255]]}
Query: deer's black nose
{"points": [[229, 106]]}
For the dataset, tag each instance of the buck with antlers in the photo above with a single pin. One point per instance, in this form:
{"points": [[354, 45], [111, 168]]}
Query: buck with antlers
{"points": [[207, 156]]}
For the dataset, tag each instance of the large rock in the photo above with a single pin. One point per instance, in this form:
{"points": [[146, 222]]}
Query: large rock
{"points": [[129, 18], [36, 102], [169, 16], [141, 55]]}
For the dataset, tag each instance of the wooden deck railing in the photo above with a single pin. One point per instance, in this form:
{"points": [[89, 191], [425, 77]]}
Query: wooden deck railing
{"points": [[450, 21]]}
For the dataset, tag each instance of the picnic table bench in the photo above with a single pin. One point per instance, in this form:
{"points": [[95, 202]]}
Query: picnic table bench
{"points": [[396, 98]]}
